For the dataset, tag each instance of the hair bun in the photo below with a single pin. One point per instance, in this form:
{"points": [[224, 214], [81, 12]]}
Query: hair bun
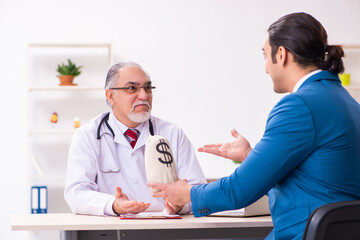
{"points": [[326, 48], [332, 59]]}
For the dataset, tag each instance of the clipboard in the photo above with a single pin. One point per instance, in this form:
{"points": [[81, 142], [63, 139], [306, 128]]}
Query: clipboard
{"points": [[150, 215]]}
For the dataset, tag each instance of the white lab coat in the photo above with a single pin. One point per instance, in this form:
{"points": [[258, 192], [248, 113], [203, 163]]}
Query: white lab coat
{"points": [[96, 167]]}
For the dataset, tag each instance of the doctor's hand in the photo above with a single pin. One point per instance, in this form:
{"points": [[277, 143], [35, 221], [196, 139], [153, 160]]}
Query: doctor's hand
{"points": [[236, 150], [176, 193], [122, 204]]}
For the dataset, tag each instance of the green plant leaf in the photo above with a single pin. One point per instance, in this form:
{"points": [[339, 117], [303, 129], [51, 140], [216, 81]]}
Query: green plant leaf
{"points": [[69, 69]]}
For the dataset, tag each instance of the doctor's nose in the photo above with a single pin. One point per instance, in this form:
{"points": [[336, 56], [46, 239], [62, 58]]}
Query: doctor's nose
{"points": [[142, 94]]}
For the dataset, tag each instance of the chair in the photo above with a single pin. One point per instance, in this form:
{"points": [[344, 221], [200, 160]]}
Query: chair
{"points": [[340, 221]]}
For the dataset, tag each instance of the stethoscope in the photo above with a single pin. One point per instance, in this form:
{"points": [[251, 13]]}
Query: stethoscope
{"points": [[98, 136], [105, 120]]}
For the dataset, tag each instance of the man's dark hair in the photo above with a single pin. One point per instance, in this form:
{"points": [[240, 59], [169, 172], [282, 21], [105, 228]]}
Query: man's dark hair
{"points": [[305, 37]]}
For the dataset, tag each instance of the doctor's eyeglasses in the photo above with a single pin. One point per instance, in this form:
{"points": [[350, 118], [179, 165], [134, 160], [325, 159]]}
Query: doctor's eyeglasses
{"points": [[134, 89]]}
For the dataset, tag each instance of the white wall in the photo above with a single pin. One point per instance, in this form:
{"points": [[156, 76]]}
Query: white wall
{"points": [[203, 56]]}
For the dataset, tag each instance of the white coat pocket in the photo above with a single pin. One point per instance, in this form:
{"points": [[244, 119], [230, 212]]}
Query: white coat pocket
{"points": [[108, 161]]}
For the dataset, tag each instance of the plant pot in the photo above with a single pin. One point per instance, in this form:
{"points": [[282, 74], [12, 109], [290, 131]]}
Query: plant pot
{"points": [[67, 80]]}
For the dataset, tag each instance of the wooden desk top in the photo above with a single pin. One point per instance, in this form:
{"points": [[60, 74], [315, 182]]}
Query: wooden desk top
{"points": [[69, 221]]}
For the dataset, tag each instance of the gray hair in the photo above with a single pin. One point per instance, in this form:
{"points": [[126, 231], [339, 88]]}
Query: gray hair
{"points": [[113, 73]]}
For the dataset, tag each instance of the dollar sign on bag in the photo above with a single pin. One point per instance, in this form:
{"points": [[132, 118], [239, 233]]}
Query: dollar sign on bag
{"points": [[167, 156]]}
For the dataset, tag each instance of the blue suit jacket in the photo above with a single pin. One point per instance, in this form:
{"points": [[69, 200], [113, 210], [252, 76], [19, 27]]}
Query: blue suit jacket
{"points": [[308, 156]]}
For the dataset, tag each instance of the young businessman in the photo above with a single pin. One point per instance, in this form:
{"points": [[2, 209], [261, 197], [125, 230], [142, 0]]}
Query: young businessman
{"points": [[106, 156], [309, 154]]}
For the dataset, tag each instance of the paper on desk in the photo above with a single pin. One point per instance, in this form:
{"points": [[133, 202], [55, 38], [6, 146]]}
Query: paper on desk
{"points": [[150, 215]]}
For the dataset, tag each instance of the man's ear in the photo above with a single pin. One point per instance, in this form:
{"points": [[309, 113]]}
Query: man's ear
{"points": [[110, 96], [282, 55]]}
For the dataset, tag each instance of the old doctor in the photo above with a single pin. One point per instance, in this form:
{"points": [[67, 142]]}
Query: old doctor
{"points": [[106, 172]]}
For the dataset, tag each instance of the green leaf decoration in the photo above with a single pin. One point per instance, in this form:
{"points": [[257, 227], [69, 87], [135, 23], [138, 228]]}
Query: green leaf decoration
{"points": [[69, 69]]}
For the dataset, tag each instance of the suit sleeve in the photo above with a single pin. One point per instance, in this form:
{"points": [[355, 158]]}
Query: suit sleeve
{"points": [[288, 139]]}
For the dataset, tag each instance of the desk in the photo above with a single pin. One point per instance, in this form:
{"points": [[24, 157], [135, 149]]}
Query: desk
{"points": [[77, 227]]}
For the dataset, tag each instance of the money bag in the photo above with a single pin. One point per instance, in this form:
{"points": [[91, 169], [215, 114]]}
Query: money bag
{"points": [[159, 161]]}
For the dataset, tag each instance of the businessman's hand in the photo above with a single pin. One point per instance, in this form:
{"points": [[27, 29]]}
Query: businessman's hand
{"points": [[122, 204], [236, 150], [176, 193]]}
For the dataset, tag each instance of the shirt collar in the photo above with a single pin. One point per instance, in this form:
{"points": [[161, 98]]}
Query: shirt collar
{"points": [[303, 79]]}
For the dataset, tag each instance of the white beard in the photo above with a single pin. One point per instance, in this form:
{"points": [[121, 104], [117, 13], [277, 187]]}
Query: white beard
{"points": [[139, 117]]}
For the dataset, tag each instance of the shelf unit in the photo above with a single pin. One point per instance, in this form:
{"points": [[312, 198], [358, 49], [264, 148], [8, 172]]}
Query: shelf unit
{"points": [[352, 88], [352, 66], [48, 143], [67, 88]]}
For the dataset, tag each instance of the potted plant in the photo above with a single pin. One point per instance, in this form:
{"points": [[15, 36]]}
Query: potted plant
{"points": [[67, 73]]}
